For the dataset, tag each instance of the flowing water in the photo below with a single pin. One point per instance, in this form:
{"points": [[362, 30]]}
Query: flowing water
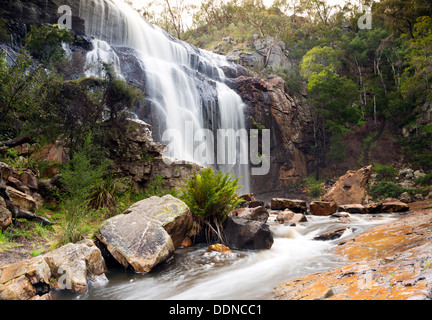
{"points": [[185, 86], [188, 90], [194, 274]]}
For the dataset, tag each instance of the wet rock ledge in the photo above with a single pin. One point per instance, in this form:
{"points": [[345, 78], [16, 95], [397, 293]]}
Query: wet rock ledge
{"points": [[389, 262]]}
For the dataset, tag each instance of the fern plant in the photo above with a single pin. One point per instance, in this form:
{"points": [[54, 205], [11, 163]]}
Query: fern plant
{"points": [[106, 192], [211, 197]]}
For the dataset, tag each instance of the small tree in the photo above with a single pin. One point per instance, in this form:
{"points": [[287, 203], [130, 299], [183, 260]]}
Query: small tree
{"points": [[211, 197], [45, 43]]}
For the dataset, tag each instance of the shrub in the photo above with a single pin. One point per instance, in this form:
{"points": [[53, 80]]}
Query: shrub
{"points": [[385, 172], [313, 186], [105, 194], [79, 177], [337, 150], [386, 189], [45, 42], [211, 197], [315, 190], [426, 180], [78, 222], [82, 171]]}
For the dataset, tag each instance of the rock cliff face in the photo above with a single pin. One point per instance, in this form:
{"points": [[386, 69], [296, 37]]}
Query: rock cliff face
{"points": [[138, 156], [268, 104], [261, 53], [290, 145]]}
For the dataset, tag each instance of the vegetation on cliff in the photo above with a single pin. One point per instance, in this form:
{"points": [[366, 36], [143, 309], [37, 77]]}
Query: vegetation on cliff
{"points": [[375, 76], [38, 107]]}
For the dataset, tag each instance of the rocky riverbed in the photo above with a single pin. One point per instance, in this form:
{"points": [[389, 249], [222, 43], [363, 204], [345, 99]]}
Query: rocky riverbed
{"points": [[388, 262]]}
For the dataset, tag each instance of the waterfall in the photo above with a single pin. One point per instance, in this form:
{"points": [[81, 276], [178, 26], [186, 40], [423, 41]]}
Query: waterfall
{"points": [[185, 85]]}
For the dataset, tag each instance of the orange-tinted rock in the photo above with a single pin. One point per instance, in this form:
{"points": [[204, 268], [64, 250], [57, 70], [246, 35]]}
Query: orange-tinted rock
{"points": [[389, 262], [218, 247], [187, 242], [323, 208]]}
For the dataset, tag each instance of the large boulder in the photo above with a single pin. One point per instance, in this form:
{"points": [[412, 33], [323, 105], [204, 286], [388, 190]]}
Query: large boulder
{"points": [[147, 233], [350, 188], [246, 234], [71, 267]]}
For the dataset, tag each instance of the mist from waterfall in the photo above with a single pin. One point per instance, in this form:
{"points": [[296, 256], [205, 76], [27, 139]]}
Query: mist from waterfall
{"points": [[185, 85]]}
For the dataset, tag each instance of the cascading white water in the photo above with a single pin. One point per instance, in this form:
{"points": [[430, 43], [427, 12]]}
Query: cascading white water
{"points": [[184, 84], [101, 52]]}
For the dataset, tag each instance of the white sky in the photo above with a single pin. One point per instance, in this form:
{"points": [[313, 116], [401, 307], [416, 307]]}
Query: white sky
{"points": [[267, 2], [143, 3]]}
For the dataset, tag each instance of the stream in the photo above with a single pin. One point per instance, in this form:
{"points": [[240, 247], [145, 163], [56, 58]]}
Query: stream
{"points": [[194, 274]]}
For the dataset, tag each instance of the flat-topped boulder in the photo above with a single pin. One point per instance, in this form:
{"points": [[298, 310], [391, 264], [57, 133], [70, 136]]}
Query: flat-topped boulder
{"points": [[147, 233], [386, 206], [298, 206], [393, 205], [352, 208], [323, 208]]}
